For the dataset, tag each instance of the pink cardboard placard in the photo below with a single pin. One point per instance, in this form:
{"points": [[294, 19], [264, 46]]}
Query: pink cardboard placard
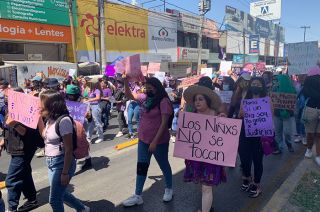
{"points": [[153, 68], [24, 108], [206, 138], [130, 66]]}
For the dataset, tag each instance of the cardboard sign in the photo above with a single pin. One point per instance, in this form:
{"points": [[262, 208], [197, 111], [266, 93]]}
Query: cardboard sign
{"points": [[160, 76], [283, 101], [24, 108], [207, 139], [207, 72], [225, 68], [189, 81], [225, 96], [257, 117], [144, 70], [72, 72], [153, 68], [77, 110], [130, 66]]}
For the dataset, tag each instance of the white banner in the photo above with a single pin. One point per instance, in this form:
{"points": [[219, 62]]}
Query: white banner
{"points": [[191, 54], [225, 68], [207, 72], [267, 9]]}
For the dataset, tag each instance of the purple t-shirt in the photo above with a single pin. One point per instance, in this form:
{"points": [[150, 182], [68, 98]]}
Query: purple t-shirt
{"points": [[51, 138], [150, 121], [96, 92], [107, 92]]}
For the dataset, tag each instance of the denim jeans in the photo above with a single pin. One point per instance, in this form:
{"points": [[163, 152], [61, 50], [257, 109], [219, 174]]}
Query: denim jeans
{"points": [[144, 157], [133, 112], [19, 179], [299, 125], [96, 122], [59, 193], [1, 205], [283, 128], [175, 118], [105, 115]]}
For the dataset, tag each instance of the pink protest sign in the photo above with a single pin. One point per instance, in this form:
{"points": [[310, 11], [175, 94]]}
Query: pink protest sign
{"points": [[153, 68], [207, 139], [130, 66], [24, 108], [144, 70]]}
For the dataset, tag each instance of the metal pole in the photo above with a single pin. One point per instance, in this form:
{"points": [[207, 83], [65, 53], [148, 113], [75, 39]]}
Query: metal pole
{"points": [[103, 37], [73, 34], [244, 47], [95, 50], [200, 43], [164, 6], [305, 30]]}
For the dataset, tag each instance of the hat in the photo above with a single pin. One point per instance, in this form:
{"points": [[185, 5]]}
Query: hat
{"points": [[314, 71], [36, 78], [72, 89], [246, 76], [52, 82], [206, 82], [191, 91]]}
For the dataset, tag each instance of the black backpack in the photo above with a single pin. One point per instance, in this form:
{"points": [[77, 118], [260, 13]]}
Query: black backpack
{"points": [[74, 133]]}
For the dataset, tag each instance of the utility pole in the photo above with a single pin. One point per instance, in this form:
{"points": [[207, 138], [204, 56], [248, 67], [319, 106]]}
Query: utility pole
{"points": [[103, 61], [305, 30], [204, 7], [164, 6], [244, 47], [73, 33]]}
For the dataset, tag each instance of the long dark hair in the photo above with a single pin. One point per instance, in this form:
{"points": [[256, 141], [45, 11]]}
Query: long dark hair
{"points": [[54, 105], [264, 88], [160, 92]]}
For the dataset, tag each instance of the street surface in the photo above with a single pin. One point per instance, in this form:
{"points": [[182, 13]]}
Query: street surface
{"points": [[112, 180]]}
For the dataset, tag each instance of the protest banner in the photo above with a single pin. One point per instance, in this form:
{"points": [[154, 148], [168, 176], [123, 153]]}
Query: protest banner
{"points": [[110, 71], [189, 81], [24, 108], [225, 96], [130, 66], [153, 68], [144, 70], [225, 68], [207, 139], [257, 117], [77, 110], [207, 72], [72, 72], [283, 100], [160, 76]]}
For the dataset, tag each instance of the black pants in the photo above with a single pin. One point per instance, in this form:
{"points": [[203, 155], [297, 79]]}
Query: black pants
{"points": [[19, 179], [250, 151], [122, 120]]}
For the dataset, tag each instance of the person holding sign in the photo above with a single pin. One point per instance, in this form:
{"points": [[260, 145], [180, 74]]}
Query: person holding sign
{"points": [[250, 148], [204, 101], [153, 134]]}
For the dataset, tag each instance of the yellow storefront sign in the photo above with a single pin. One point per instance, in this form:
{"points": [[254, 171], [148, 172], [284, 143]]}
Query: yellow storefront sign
{"points": [[126, 27]]}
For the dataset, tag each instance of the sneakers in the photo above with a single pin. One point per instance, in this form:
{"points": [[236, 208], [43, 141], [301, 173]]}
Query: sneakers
{"points": [[133, 200], [168, 194], [308, 153], [130, 136], [276, 152], [28, 206], [290, 148], [245, 185], [254, 191], [297, 139], [304, 141], [84, 165], [40, 153], [86, 209], [98, 141], [119, 134], [317, 159]]}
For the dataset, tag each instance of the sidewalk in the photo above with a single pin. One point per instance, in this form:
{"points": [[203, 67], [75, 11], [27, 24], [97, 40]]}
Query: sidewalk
{"points": [[300, 191]]}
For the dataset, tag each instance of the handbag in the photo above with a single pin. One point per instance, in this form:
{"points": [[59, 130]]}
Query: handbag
{"points": [[267, 145]]}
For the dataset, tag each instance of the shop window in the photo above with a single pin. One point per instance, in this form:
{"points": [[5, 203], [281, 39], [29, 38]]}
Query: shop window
{"points": [[11, 48]]}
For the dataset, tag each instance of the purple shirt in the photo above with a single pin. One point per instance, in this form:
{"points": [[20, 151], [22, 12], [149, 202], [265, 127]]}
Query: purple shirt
{"points": [[107, 92], [92, 95]]}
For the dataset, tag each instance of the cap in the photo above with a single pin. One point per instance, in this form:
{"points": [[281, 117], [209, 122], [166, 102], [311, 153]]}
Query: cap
{"points": [[52, 82], [37, 78], [72, 89]]}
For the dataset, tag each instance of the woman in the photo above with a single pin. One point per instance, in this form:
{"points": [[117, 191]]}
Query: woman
{"points": [[85, 89], [250, 148], [120, 101], [133, 110], [206, 102], [105, 103], [94, 100], [59, 154], [153, 135], [284, 120], [311, 115]]}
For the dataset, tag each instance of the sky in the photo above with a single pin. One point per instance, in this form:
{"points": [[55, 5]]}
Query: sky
{"points": [[295, 13]]}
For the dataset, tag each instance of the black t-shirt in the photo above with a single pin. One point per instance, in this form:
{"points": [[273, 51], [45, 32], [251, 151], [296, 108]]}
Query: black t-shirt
{"points": [[311, 91]]}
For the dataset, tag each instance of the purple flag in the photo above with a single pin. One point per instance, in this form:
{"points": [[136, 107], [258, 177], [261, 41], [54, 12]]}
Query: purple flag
{"points": [[77, 110]]}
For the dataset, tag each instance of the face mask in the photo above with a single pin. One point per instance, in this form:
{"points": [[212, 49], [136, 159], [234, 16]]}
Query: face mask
{"points": [[256, 90], [225, 87], [150, 94]]}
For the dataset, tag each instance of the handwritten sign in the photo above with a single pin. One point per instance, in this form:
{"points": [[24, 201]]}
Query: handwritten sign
{"points": [[189, 81], [207, 139], [283, 101], [144, 70], [24, 108], [77, 110], [225, 68], [153, 68], [207, 72], [130, 66], [225, 96], [257, 117], [160, 76]]}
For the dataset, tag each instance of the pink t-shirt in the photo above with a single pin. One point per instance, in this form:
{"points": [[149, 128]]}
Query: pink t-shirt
{"points": [[150, 122], [52, 140]]}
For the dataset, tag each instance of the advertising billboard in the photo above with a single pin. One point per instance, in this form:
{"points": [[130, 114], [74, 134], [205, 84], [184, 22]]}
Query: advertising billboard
{"points": [[254, 41], [266, 9], [239, 21], [45, 11], [191, 54]]}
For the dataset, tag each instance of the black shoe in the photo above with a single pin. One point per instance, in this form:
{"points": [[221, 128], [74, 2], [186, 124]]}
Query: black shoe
{"points": [[245, 185], [254, 191], [276, 152], [28, 206], [290, 149], [87, 164]]}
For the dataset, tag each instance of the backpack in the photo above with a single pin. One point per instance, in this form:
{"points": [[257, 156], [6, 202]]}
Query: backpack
{"points": [[79, 139]]}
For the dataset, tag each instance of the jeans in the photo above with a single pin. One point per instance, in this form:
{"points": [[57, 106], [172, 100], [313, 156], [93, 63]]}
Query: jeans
{"points": [[299, 125], [144, 157], [283, 127], [133, 112], [59, 193], [175, 118], [106, 115], [1, 205], [96, 121], [19, 179], [122, 121]]}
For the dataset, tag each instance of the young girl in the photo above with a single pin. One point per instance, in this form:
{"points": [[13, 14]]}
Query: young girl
{"points": [[204, 101], [250, 149]]}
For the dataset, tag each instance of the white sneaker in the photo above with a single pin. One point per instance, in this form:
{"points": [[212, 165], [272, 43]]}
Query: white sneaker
{"points": [[133, 200], [308, 153], [86, 209], [304, 141], [297, 139], [318, 160], [119, 134], [98, 141], [168, 194]]}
